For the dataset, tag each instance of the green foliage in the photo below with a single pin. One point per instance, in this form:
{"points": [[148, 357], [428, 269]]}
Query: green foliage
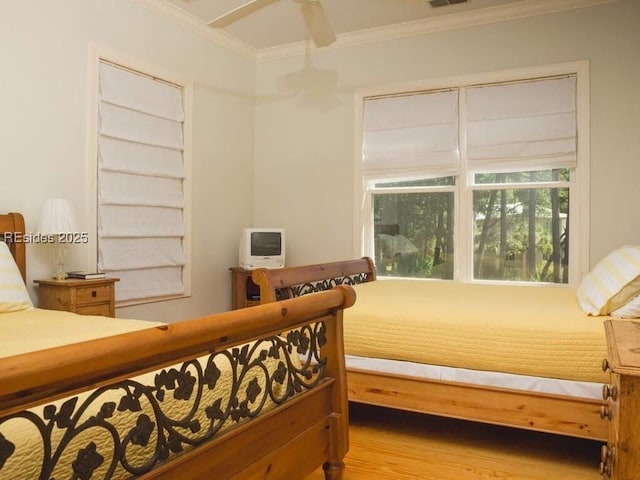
{"points": [[520, 233]]}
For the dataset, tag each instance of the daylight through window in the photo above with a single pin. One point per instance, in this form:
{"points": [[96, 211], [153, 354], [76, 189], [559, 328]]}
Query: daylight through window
{"points": [[472, 183]]}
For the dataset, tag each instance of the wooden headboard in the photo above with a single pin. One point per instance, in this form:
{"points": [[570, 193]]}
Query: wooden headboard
{"points": [[12, 233], [282, 283]]}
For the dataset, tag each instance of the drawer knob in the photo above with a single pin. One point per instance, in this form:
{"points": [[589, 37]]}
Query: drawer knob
{"points": [[94, 294], [607, 453], [605, 412], [605, 365], [604, 453], [609, 392], [605, 469]]}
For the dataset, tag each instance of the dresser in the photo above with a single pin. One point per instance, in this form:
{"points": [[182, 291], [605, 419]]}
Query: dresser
{"points": [[620, 457], [86, 297]]}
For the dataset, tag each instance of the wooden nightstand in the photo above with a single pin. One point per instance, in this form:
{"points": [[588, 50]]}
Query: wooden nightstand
{"points": [[244, 293], [86, 297]]}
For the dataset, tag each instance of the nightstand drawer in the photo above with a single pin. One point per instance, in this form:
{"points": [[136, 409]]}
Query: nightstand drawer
{"points": [[103, 309], [95, 294]]}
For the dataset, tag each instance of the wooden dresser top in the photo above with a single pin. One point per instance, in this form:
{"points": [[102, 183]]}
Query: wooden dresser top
{"points": [[623, 342]]}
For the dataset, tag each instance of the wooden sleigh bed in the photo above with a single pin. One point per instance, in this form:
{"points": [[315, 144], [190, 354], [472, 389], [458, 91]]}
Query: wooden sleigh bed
{"points": [[284, 412], [558, 413]]}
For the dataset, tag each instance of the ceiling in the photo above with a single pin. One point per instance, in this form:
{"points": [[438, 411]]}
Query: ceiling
{"points": [[281, 22], [278, 29]]}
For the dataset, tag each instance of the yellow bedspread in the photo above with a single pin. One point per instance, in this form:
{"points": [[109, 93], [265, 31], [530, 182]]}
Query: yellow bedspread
{"points": [[528, 330], [26, 331], [36, 329]]}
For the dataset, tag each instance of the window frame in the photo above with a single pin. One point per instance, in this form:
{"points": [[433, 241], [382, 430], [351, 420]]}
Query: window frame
{"points": [[96, 55], [464, 185]]}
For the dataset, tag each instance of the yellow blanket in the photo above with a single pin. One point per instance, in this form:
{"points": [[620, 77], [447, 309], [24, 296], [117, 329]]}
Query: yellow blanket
{"points": [[528, 330], [35, 329]]}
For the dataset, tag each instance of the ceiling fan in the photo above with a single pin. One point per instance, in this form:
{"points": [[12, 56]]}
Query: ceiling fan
{"points": [[312, 11]]}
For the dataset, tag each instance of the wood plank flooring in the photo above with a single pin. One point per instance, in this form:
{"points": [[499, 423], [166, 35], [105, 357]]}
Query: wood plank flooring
{"points": [[393, 445]]}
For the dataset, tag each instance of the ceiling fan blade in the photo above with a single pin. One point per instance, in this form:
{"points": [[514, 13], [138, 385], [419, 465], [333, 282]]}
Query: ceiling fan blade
{"points": [[239, 12], [317, 23]]}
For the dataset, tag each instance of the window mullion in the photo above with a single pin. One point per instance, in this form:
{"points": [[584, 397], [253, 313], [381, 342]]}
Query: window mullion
{"points": [[517, 186], [396, 190], [463, 252], [368, 220]]}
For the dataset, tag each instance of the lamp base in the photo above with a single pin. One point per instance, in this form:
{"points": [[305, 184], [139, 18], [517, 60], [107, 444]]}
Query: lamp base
{"points": [[59, 259]]}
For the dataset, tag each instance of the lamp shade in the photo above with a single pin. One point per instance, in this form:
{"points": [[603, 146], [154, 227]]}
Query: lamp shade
{"points": [[57, 216]]}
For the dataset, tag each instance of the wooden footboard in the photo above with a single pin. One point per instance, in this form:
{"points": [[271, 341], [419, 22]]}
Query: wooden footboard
{"points": [[564, 415], [286, 412]]}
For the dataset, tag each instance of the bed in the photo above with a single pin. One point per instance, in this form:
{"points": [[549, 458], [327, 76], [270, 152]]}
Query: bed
{"points": [[253, 393], [458, 362]]}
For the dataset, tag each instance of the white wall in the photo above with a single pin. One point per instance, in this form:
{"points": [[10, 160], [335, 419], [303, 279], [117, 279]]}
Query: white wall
{"points": [[45, 99], [273, 143], [305, 142]]}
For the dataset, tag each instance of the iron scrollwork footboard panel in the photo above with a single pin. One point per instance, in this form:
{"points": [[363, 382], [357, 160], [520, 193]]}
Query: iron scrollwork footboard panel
{"points": [[127, 428], [295, 291]]}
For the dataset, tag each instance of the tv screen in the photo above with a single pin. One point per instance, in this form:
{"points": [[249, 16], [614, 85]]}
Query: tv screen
{"points": [[264, 244]]}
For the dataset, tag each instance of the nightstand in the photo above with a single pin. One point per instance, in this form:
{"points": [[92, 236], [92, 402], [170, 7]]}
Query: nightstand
{"points": [[244, 293], [86, 297]]}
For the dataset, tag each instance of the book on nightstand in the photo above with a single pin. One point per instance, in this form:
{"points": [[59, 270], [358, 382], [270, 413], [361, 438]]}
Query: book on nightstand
{"points": [[86, 275]]}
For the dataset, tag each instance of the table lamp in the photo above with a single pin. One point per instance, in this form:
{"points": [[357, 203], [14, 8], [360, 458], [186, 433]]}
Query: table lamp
{"points": [[58, 217]]}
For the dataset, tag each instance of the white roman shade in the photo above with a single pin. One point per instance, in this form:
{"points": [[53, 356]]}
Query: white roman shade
{"points": [[522, 126], [140, 183], [411, 135]]}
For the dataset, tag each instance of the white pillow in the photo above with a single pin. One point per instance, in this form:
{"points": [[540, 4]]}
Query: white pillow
{"points": [[630, 310], [612, 282], [13, 292]]}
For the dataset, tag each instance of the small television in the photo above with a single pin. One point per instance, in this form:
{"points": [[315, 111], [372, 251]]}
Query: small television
{"points": [[261, 247]]}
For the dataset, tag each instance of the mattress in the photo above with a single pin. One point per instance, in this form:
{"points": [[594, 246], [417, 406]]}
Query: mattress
{"points": [[537, 331], [511, 381], [36, 329]]}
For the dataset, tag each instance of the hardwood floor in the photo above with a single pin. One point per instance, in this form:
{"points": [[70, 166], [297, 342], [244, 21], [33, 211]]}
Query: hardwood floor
{"points": [[394, 445]]}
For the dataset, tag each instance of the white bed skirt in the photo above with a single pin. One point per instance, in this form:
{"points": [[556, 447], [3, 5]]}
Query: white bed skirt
{"points": [[571, 388]]}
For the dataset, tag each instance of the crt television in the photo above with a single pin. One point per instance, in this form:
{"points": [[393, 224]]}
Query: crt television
{"points": [[261, 247]]}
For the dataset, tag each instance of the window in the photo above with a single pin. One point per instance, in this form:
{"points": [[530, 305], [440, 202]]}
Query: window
{"points": [[475, 182], [141, 175]]}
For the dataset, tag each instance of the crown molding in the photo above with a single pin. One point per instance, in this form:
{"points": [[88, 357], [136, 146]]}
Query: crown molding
{"points": [[522, 9], [197, 26]]}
